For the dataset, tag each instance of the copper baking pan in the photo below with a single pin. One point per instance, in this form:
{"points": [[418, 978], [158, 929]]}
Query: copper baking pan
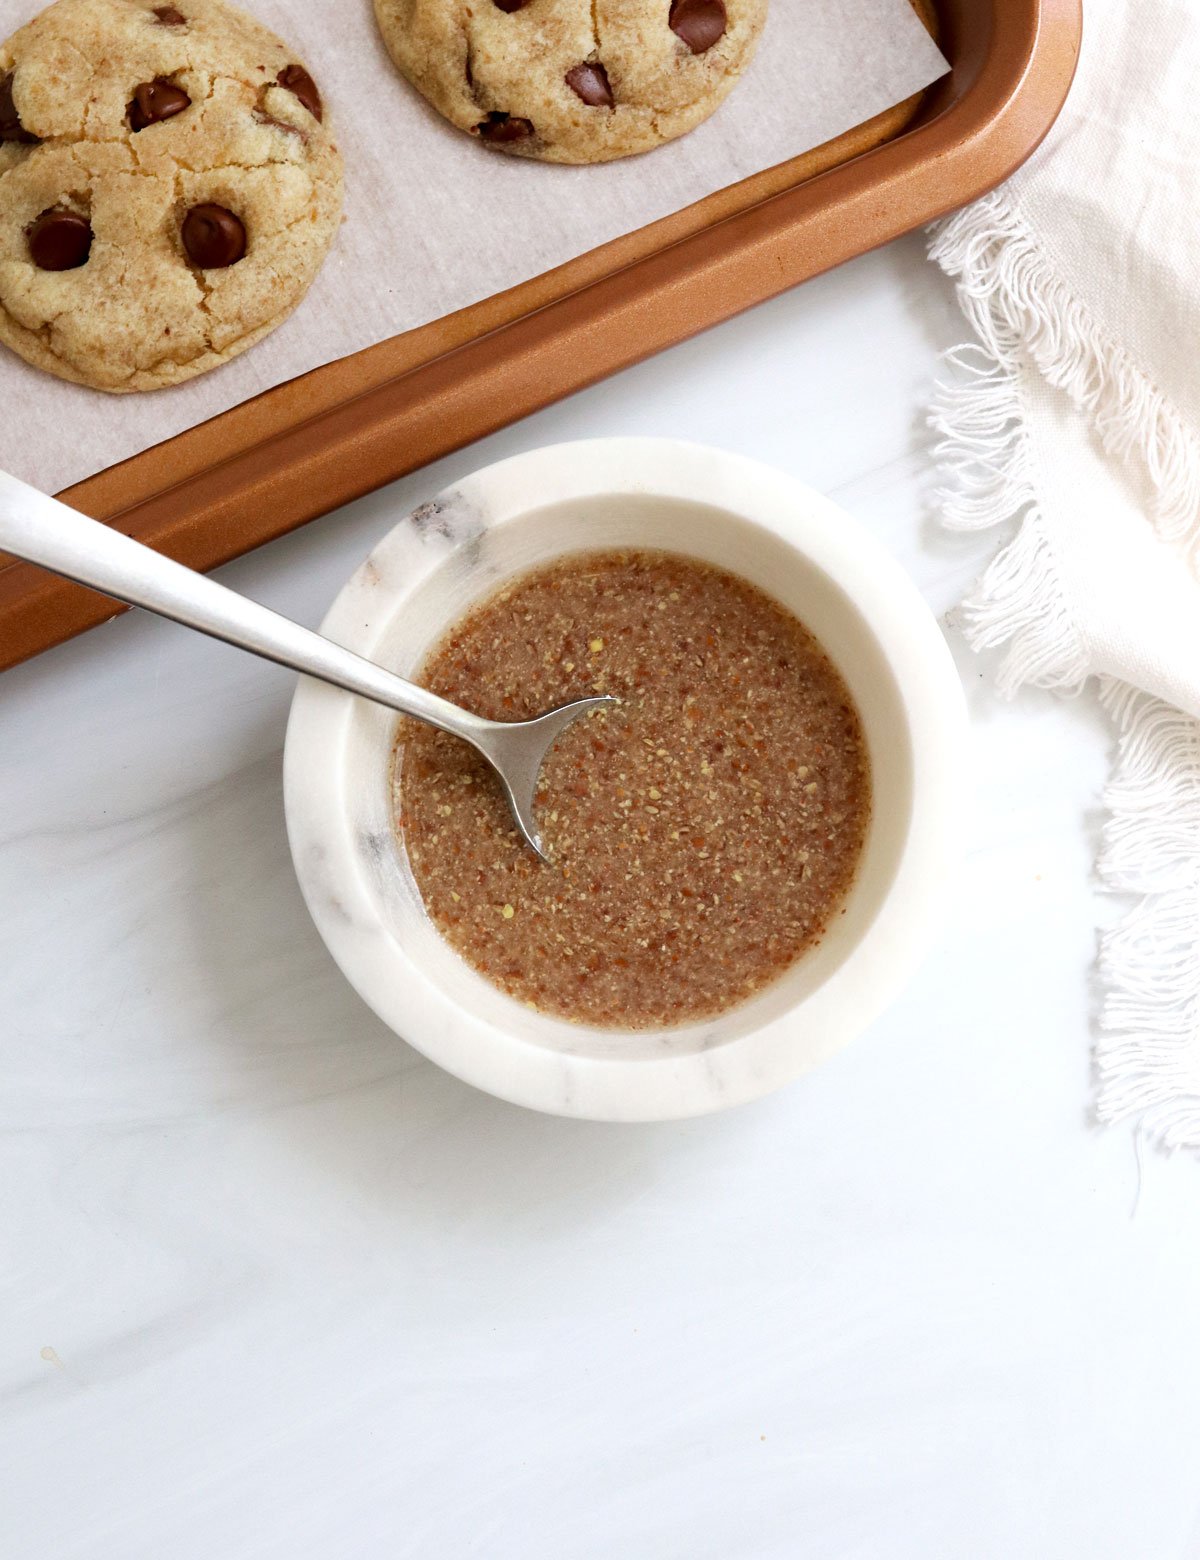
{"points": [[307, 446]]}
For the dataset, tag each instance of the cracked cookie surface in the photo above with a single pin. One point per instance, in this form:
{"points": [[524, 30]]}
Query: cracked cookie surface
{"points": [[169, 187], [575, 81]]}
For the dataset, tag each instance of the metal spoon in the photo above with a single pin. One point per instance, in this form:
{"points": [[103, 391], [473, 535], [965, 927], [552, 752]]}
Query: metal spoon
{"points": [[43, 531]]}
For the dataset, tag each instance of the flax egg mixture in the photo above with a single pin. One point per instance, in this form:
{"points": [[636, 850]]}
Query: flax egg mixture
{"points": [[702, 832]]}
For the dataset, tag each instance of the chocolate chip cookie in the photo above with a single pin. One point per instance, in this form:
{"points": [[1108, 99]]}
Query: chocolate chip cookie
{"points": [[576, 81], [168, 189]]}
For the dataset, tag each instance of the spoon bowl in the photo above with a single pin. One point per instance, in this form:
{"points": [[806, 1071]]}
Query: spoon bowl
{"points": [[516, 750]]}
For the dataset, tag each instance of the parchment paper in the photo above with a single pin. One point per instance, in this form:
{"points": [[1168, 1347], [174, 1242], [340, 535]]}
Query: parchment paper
{"points": [[435, 222]]}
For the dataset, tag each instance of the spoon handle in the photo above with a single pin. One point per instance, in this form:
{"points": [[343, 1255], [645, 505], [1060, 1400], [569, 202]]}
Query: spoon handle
{"points": [[41, 530]]}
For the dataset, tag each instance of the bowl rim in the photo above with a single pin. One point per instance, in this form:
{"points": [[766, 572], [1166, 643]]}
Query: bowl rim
{"points": [[877, 965]]}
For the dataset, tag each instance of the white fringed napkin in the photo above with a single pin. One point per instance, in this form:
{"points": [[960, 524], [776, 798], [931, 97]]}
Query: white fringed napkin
{"points": [[1077, 414]]}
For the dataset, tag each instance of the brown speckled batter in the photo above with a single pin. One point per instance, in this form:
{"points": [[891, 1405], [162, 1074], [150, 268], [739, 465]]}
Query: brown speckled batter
{"points": [[702, 833]]}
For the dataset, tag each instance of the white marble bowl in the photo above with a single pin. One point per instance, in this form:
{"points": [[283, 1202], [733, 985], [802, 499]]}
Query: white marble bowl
{"points": [[784, 537]]}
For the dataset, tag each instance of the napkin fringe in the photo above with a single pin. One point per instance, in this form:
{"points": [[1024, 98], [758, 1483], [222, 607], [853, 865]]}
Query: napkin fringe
{"points": [[984, 461], [1017, 303], [1148, 1053]]}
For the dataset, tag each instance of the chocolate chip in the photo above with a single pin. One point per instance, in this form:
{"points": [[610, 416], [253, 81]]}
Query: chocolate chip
{"points": [[11, 128], [502, 128], [509, 6], [59, 240], [168, 16], [298, 82], [154, 101], [213, 237], [698, 22], [590, 82]]}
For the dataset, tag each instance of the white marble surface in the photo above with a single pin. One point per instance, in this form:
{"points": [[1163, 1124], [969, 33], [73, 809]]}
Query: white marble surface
{"points": [[272, 1286]]}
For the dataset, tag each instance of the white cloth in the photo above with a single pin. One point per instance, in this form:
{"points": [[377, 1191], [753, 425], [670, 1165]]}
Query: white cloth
{"points": [[1077, 415]]}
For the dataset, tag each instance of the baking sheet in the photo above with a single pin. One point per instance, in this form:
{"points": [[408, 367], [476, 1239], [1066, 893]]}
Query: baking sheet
{"points": [[435, 222]]}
